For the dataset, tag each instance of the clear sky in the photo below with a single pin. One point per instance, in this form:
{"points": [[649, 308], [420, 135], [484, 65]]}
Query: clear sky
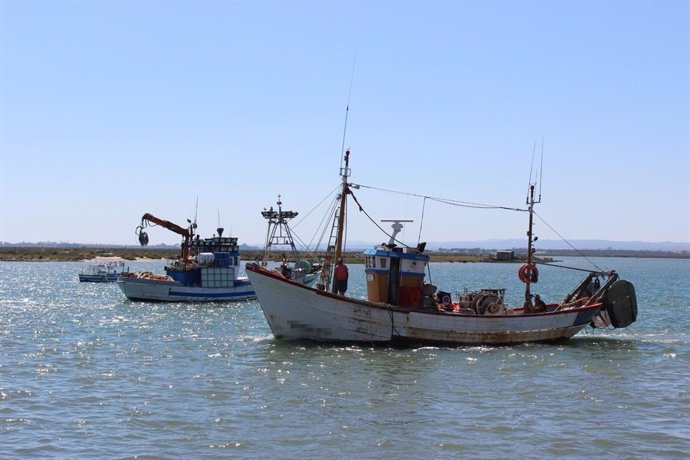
{"points": [[111, 109]]}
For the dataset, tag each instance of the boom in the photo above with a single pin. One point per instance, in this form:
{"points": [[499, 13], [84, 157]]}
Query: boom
{"points": [[164, 223], [148, 218]]}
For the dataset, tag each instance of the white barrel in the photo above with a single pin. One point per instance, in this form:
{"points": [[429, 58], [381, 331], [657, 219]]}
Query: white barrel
{"points": [[205, 258]]}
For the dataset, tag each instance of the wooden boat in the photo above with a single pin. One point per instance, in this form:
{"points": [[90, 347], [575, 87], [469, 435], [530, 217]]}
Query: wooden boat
{"points": [[279, 234], [208, 270], [401, 308]]}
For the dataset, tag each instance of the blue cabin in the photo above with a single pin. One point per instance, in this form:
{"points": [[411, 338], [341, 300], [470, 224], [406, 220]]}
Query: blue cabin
{"points": [[215, 263]]}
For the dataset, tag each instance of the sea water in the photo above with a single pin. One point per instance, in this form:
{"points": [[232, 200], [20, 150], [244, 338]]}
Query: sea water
{"points": [[86, 373]]}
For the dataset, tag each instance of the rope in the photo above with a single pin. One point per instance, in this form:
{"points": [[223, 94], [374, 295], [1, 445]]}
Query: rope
{"points": [[569, 244], [315, 207], [325, 220], [469, 205], [463, 204], [600, 272], [419, 238], [361, 209], [394, 330]]}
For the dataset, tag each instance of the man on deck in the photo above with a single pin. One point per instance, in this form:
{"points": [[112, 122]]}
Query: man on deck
{"points": [[341, 275]]}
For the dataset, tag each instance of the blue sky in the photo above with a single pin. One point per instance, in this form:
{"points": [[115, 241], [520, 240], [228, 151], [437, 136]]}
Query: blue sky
{"points": [[110, 109]]}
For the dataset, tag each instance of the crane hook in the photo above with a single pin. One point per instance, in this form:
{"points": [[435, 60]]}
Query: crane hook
{"points": [[143, 236]]}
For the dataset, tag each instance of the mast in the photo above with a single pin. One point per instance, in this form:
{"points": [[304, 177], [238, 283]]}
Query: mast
{"points": [[530, 201], [335, 251], [530, 240], [345, 174], [340, 230], [278, 232]]}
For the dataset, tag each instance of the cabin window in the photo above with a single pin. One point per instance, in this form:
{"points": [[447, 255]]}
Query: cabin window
{"points": [[383, 262]]}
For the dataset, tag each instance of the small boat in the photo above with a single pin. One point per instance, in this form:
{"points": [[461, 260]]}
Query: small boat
{"points": [[101, 272], [281, 234], [402, 309], [208, 270]]}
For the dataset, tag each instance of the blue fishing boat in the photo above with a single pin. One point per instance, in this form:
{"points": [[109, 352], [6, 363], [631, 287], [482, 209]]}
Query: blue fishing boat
{"points": [[207, 270]]}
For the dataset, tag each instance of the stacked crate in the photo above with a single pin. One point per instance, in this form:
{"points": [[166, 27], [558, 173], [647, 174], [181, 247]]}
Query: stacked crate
{"points": [[213, 277]]}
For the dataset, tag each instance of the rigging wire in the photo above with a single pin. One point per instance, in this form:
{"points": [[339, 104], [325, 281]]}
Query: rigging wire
{"points": [[419, 238], [344, 243], [327, 219], [568, 243], [337, 187], [600, 272], [361, 209], [306, 248], [463, 204]]}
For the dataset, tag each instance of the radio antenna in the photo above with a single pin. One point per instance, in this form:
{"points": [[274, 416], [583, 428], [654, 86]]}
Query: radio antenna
{"points": [[541, 166], [347, 107], [531, 169]]}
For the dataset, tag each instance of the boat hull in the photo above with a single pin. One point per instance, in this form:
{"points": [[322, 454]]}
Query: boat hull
{"points": [[174, 291], [101, 272], [104, 278], [297, 312], [308, 279]]}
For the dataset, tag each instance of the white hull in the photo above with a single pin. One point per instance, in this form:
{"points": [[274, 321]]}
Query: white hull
{"points": [[104, 278], [102, 272], [308, 279], [174, 291], [297, 312]]}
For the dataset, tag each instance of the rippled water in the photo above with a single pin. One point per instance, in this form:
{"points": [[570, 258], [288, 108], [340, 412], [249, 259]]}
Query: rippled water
{"points": [[85, 373]]}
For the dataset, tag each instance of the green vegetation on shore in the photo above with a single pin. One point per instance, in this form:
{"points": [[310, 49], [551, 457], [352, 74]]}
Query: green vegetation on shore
{"points": [[76, 254]]}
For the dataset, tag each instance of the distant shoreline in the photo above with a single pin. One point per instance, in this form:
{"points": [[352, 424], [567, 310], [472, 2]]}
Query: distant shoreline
{"points": [[85, 253]]}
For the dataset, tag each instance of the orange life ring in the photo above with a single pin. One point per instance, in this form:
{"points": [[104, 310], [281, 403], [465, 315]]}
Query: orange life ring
{"points": [[528, 273]]}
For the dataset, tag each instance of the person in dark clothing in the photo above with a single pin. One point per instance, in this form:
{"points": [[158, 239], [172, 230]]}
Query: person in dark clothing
{"points": [[341, 275]]}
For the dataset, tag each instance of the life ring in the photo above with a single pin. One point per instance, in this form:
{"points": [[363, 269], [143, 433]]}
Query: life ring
{"points": [[528, 273]]}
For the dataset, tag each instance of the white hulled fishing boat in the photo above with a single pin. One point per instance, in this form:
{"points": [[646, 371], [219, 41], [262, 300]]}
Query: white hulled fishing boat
{"points": [[207, 270], [401, 308], [101, 272]]}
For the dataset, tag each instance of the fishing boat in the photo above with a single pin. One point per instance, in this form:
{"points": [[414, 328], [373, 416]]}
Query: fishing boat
{"points": [[279, 234], [207, 270], [401, 308], [106, 272]]}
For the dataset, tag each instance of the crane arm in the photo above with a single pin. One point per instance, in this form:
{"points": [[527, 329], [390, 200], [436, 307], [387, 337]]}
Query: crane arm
{"points": [[150, 218], [164, 223]]}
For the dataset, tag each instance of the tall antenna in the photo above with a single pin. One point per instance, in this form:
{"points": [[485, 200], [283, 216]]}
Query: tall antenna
{"points": [[347, 107], [541, 166], [219, 229], [531, 168], [196, 209], [533, 175]]}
